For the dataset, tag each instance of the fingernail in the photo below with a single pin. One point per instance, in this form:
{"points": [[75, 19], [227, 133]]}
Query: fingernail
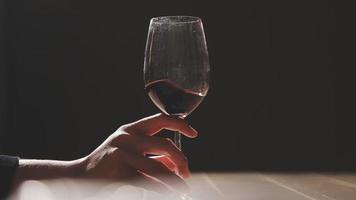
{"points": [[195, 132]]}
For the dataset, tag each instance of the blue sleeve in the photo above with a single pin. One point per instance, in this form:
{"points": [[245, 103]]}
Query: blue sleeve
{"points": [[8, 165]]}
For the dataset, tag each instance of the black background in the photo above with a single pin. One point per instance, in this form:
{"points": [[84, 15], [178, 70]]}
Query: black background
{"points": [[281, 95]]}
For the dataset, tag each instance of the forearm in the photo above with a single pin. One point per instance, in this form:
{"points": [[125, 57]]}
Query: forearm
{"points": [[29, 169]]}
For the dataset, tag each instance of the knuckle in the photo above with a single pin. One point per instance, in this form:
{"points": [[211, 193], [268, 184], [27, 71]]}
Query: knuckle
{"points": [[125, 127], [122, 137]]}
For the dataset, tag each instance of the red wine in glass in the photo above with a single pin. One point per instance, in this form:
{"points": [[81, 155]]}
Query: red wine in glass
{"points": [[172, 99]]}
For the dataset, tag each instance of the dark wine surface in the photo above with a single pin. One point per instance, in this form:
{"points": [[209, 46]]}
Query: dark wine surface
{"points": [[172, 99]]}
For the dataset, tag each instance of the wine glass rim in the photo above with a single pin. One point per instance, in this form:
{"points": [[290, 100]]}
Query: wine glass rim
{"points": [[175, 19]]}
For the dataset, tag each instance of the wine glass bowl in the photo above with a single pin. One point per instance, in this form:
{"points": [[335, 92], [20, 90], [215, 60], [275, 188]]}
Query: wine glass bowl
{"points": [[176, 65]]}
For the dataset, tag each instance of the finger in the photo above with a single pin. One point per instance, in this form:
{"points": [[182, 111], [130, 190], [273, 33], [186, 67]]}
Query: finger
{"points": [[166, 161], [155, 169], [142, 144], [163, 146], [155, 123]]}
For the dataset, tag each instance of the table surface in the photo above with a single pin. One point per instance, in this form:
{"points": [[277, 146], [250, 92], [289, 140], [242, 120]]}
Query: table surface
{"points": [[214, 186]]}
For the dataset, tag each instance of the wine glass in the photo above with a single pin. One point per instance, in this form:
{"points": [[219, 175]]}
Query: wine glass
{"points": [[176, 65]]}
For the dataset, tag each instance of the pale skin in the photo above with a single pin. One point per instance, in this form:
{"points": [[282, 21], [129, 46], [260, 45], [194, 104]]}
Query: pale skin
{"points": [[123, 156]]}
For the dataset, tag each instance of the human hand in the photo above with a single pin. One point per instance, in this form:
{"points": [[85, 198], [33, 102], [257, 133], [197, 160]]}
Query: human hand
{"points": [[122, 156]]}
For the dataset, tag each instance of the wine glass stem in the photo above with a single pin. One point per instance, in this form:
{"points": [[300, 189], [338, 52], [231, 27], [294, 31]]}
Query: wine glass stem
{"points": [[178, 139]]}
